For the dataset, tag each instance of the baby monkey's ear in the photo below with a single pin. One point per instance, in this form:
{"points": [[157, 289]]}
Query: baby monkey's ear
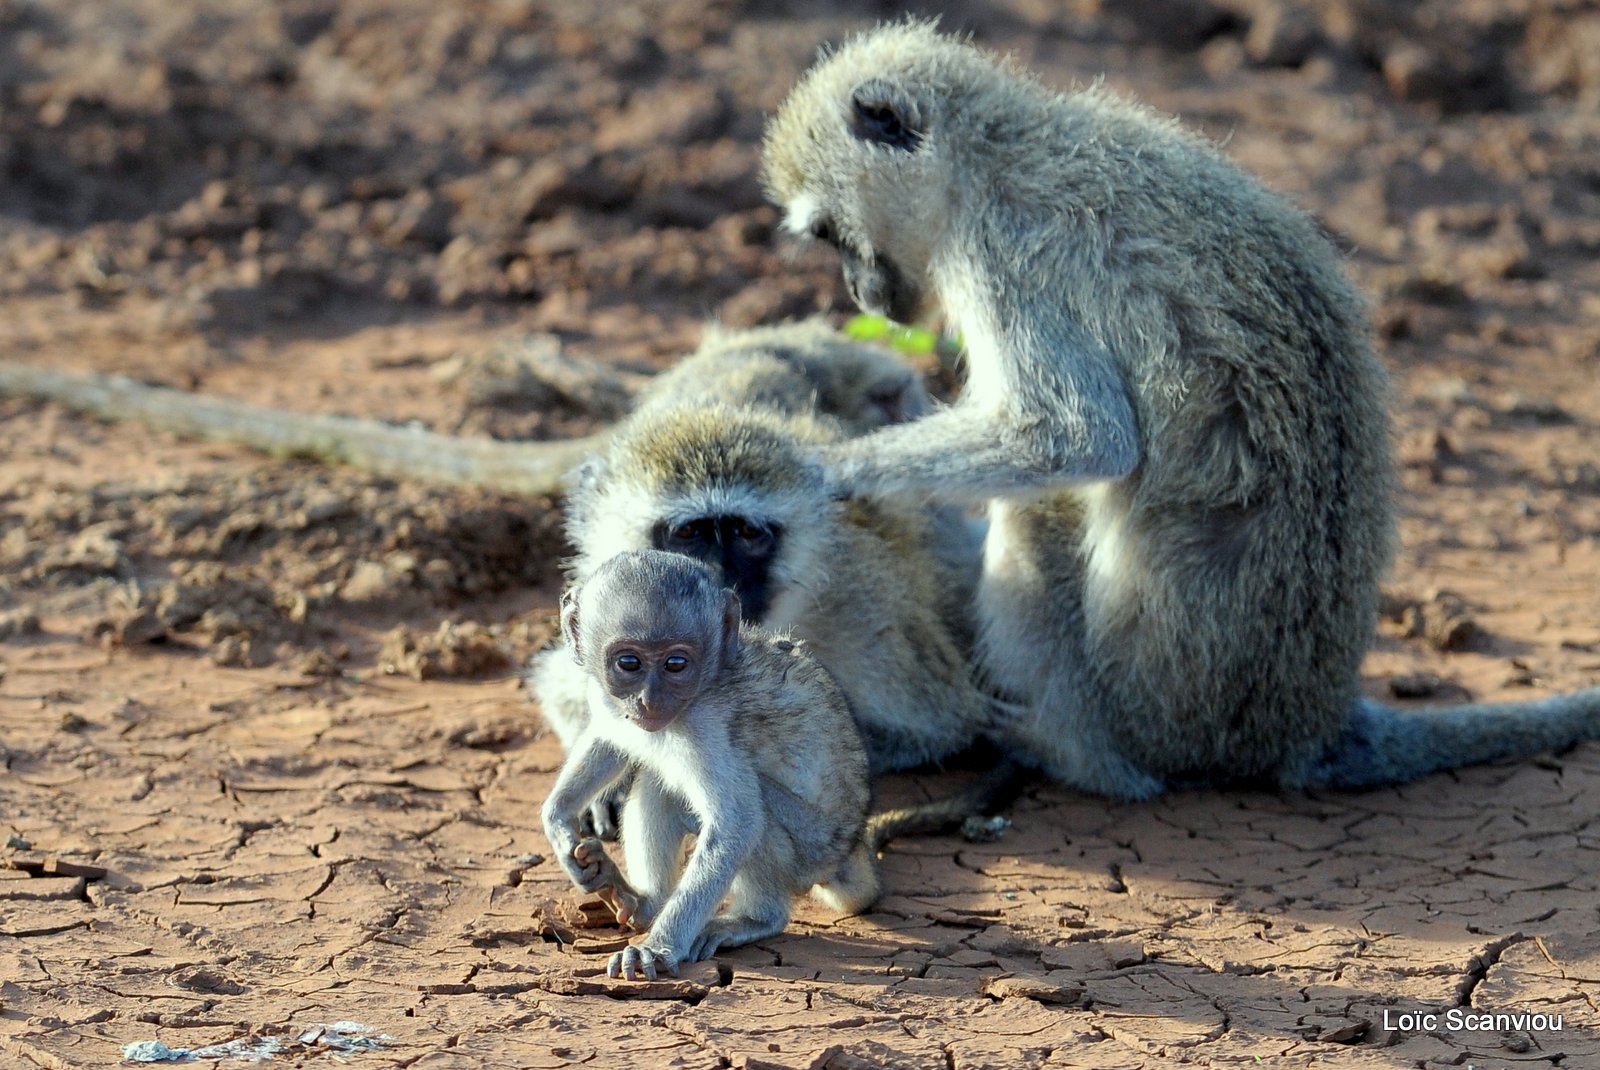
{"points": [[569, 620], [883, 114], [730, 628]]}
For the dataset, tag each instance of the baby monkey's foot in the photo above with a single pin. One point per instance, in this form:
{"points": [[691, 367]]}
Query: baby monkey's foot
{"points": [[642, 962]]}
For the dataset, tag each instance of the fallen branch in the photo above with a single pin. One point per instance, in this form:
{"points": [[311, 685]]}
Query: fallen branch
{"points": [[528, 468]]}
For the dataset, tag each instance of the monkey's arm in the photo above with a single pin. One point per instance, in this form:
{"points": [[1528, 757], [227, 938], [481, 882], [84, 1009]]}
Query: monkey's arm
{"points": [[732, 824], [513, 467], [1039, 415], [592, 767]]}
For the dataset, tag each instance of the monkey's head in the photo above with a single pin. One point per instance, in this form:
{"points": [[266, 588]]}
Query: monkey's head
{"points": [[871, 154], [653, 628], [733, 488]]}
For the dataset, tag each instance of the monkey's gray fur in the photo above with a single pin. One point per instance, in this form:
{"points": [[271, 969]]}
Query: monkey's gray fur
{"points": [[1172, 409], [797, 368], [737, 736]]}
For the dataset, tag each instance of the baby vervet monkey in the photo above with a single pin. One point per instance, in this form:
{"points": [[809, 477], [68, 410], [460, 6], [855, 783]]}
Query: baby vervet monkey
{"points": [[1172, 410], [734, 735]]}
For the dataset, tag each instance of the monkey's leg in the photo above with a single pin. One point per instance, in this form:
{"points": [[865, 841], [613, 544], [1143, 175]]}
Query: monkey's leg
{"points": [[856, 884], [593, 765], [725, 842], [759, 909], [1032, 645], [656, 826], [604, 816]]}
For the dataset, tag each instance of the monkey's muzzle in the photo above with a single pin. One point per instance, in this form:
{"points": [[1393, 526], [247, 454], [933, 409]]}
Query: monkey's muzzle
{"points": [[652, 718], [879, 287]]}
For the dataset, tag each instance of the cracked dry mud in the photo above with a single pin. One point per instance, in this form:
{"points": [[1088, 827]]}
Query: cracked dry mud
{"points": [[272, 701]]}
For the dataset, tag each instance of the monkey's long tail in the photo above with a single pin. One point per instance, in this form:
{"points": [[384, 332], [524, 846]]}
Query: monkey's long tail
{"points": [[534, 468], [1383, 745], [994, 791]]}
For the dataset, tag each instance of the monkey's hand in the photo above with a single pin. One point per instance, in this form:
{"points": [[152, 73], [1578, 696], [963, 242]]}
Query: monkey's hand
{"points": [[642, 962], [590, 868]]}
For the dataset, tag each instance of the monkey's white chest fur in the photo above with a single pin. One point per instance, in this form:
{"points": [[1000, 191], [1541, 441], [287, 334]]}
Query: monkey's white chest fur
{"points": [[1018, 592]]}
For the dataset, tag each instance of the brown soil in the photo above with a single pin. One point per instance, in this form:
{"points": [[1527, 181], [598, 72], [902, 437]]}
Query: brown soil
{"points": [[273, 701]]}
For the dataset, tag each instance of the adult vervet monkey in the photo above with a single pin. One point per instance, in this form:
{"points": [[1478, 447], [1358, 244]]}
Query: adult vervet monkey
{"points": [[1172, 410]]}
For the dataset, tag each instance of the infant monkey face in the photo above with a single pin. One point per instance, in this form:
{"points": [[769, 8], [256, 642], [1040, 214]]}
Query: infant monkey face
{"points": [[653, 681]]}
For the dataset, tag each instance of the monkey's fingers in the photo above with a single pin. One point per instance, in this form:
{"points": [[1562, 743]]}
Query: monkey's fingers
{"points": [[633, 964], [594, 870]]}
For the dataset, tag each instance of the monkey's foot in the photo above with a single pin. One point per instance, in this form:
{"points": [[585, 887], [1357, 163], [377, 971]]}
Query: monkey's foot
{"points": [[603, 818], [728, 931], [641, 963], [632, 909]]}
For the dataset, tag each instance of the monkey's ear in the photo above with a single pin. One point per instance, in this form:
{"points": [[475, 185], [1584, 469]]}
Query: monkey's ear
{"points": [[730, 627], [881, 113], [569, 620]]}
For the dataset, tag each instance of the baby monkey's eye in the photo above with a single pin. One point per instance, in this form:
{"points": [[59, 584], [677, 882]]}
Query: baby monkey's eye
{"points": [[629, 662], [675, 663]]}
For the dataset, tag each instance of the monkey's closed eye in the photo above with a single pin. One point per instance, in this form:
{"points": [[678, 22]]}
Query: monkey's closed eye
{"points": [[675, 663], [629, 662]]}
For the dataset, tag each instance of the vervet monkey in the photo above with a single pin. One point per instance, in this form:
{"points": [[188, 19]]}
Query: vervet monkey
{"points": [[734, 735], [1172, 410]]}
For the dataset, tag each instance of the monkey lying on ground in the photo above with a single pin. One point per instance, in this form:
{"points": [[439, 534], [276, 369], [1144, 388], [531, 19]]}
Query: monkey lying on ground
{"points": [[880, 592], [737, 737], [805, 367], [1172, 409]]}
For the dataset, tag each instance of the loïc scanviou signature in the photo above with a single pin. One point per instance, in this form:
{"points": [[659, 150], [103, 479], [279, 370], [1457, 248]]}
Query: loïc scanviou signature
{"points": [[1466, 1020]]}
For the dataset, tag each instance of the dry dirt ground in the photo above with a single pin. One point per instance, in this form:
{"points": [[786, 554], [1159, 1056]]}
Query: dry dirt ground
{"points": [[274, 702]]}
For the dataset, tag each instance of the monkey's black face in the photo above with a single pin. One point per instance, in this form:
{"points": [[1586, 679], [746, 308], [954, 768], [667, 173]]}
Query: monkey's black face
{"points": [[655, 682], [742, 548]]}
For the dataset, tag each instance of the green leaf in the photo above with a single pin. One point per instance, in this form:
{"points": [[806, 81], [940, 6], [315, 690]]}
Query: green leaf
{"points": [[913, 340]]}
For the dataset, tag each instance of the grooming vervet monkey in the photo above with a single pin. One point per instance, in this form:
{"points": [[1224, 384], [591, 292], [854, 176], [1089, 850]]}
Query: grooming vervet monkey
{"points": [[864, 585], [735, 736], [1172, 408]]}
